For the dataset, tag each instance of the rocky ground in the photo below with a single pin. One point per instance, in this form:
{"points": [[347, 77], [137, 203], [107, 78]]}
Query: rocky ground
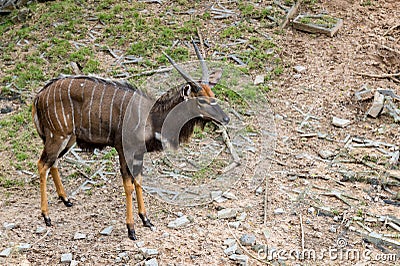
{"points": [[329, 189]]}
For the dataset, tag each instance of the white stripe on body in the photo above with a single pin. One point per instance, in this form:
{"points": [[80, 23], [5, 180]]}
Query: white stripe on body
{"points": [[90, 109], [72, 106], [120, 110], [101, 102], [62, 105], [55, 109], [82, 95], [111, 115], [49, 121]]}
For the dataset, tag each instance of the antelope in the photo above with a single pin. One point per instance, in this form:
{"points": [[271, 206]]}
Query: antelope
{"points": [[89, 111]]}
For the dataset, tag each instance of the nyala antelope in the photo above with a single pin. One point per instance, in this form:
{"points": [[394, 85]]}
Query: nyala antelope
{"points": [[89, 111]]}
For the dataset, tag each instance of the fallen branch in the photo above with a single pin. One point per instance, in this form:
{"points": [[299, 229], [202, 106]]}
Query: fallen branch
{"points": [[385, 75]]}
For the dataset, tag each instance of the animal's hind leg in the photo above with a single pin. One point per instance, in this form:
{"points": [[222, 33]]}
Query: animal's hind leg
{"points": [[56, 176], [43, 172], [59, 186], [52, 149], [139, 198]]}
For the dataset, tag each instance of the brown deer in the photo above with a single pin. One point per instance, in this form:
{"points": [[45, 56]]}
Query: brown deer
{"points": [[90, 111]]}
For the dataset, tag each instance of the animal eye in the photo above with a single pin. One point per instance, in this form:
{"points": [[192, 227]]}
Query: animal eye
{"points": [[202, 101]]}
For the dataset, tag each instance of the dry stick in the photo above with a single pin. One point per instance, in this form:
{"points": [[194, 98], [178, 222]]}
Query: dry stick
{"points": [[243, 248], [385, 75], [392, 28], [292, 11], [151, 72], [201, 42], [302, 233], [40, 239], [228, 143], [265, 201]]}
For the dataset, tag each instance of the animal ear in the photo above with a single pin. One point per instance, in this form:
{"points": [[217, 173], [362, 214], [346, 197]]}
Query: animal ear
{"points": [[186, 90], [215, 76]]}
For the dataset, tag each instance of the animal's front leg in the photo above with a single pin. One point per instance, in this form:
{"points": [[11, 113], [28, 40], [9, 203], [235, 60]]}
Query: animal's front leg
{"points": [[128, 187], [139, 197]]}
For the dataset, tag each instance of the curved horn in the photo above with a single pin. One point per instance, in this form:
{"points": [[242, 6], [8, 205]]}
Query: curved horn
{"points": [[186, 76], [205, 77]]}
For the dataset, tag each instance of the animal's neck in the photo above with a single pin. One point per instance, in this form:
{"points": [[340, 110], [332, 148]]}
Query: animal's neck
{"points": [[158, 115]]}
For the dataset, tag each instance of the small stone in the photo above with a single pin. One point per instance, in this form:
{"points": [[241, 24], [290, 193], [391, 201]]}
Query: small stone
{"points": [[149, 252], [151, 262], [297, 76], [140, 244], [74, 263], [248, 240], [8, 226], [242, 217], [229, 195], [40, 230], [299, 69], [179, 214], [259, 79], [107, 231], [138, 256], [226, 213], [67, 257], [216, 194], [123, 255], [165, 235], [311, 210], [78, 236], [326, 154], [234, 224], [377, 105], [338, 122], [24, 247], [242, 259], [231, 250], [259, 191], [229, 242], [5, 253], [333, 229], [363, 94], [258, 247], [118, 259], [178, 222], [220, 199], [278, 211]]}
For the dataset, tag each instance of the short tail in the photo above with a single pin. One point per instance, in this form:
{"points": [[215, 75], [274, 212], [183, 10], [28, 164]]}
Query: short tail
{"points": [[36, 119]]}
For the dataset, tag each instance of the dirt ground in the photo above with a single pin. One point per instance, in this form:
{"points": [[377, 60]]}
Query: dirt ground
{"points": [[299, 180]]}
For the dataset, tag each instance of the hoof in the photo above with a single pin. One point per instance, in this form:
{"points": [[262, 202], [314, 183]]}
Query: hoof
{"points": [[146, 221], [47, 220], [67, 203], [131, 233]]}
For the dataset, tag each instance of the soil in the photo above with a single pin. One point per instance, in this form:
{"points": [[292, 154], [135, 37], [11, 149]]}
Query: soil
{"points": [[297, 180]]}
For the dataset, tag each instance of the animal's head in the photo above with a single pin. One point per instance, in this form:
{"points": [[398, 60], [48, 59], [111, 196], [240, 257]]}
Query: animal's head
{"points": [[201, 92]]}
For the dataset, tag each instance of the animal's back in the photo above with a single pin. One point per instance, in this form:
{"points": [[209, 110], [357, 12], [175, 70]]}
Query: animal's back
{"points": [[90, 108]]}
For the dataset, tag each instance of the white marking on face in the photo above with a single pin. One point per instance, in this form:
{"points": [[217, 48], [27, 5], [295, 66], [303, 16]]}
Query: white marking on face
{"points": [[51, 135]]}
